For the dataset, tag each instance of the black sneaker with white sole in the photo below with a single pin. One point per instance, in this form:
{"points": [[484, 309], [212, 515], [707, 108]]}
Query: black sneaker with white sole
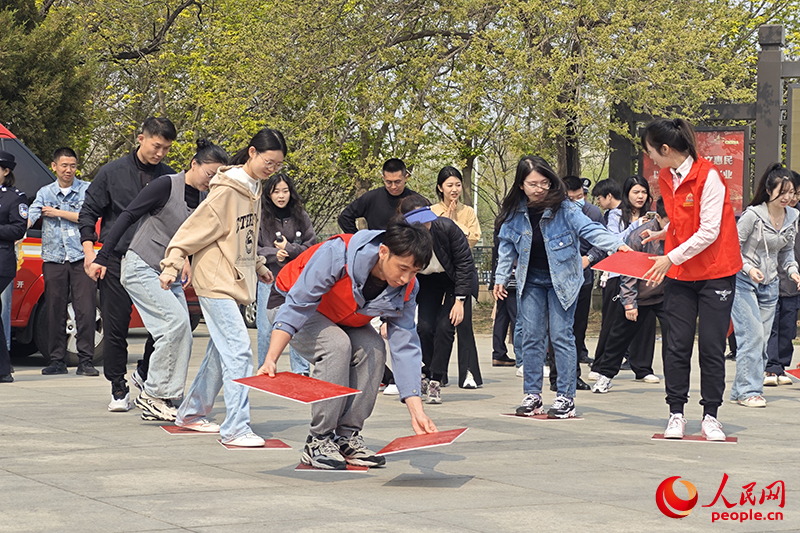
{"points": [[531, 405], [562, 407], [356, 453], [321, 452]]}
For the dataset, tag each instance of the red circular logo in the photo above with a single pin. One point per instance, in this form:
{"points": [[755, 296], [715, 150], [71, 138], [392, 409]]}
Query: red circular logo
{"points": [[670, 504]]}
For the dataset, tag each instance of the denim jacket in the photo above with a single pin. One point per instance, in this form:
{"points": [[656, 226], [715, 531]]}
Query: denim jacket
{"points": [[561, 231], [61, 239]]}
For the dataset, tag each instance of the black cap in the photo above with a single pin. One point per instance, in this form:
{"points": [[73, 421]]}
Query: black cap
{"points": [[586, 182], [7, 160]]}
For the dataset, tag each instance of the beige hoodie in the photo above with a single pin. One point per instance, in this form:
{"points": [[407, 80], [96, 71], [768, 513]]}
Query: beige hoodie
{"points": [[222, 236]]}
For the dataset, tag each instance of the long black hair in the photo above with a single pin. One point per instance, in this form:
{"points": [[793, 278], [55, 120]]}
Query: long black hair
{"points": [[776, 175], [270, 213], [555, 195], [677, 133], [265, 140], [444, 175], [625, 204]]}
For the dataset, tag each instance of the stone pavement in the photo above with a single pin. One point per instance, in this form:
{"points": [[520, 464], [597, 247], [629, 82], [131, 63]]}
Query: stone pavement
{"points": [[67, 464]]}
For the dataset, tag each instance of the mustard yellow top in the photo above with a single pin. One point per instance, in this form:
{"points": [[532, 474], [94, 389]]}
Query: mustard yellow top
{"points": [[465, 218]]}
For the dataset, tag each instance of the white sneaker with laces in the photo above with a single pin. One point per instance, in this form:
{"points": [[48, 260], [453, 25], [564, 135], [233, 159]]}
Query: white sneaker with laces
{"points": [[783, 379], [675, 426], [770, 380], [519, 372], [203, 426], [712, 429], [593, 376], [469, 382], [391, 390], [602, 385], [248, 440], [137, 379], [753, 401], [120, 406]]}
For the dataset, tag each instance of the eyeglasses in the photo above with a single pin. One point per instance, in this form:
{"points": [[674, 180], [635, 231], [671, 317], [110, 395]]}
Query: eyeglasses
{"points": [[271, 166], [208, 174], [544, 185]]}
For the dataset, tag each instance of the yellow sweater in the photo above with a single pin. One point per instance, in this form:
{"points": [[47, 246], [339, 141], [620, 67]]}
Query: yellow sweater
{"points": [[465, 219], [222, 235]]}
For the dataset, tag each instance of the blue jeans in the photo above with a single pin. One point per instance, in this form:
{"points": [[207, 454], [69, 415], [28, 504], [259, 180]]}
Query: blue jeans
{"points": [[537, 308], [228, 357], [166, 317], [264, 319], [752, 314]]}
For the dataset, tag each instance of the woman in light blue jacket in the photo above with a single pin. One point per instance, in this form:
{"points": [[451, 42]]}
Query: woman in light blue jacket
{"points": [[767, 232], [540, 230]]}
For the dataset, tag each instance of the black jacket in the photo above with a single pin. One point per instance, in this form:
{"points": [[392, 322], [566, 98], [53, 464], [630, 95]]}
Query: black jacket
{"points": [[116, 185], [452, 249], [594, 253], [13, 224], [377, 206]]}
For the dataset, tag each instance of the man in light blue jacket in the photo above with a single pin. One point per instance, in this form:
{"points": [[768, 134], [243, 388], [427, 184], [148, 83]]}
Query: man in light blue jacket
{"points": [[62, 265]]}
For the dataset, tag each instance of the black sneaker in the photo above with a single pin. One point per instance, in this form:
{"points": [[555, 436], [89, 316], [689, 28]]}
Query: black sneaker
{"points": [[322, 452], [585, 359], [582, 385], [6, 378], [55, 367], [626, 365], [531, 405], [554, 386], [355, 453], [87, 369], [562, 407]]}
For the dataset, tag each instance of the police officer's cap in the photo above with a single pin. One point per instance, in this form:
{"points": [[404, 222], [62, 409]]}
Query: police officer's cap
{"points": [[7, 160]]}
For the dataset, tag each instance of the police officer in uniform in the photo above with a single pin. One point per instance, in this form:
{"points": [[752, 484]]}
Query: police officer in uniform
{"points": [[13, 223]]}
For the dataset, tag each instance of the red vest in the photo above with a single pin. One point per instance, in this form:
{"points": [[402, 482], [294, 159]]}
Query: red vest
{"points": [[723, 257], [338, 304]]}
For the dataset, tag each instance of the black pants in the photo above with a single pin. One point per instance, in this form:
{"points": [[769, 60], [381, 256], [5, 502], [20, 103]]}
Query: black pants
{"points": [[505, 315], [467, 350], [5, 359], [579, 326], [65, 282], [623, 333], [116, 307], [685, 301], [784, 329], [610, 299], [436, 333]]}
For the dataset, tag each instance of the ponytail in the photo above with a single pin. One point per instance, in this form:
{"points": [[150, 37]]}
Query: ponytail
{"points": [[265, 140], [678, 134]]}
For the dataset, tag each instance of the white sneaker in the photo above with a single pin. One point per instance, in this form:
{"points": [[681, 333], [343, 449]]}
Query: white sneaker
{"points": [[650, 378], [593, 376], [546, 371], [391, 390], [753, 401], [202, 425], [675, 426], [602, 385], [249, 440], [784, 379], [469, 382], [712, 429], [120, 406], [519, 372], [770, 380], [137, 379]]}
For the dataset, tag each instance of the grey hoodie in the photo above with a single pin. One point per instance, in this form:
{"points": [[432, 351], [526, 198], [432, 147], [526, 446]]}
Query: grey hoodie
{"points": [[764, 247]]}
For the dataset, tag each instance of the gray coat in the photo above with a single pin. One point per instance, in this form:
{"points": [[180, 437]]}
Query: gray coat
{"points": [[764, 247]]}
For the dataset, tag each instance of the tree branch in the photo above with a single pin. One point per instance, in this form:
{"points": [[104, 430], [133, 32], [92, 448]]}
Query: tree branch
{"points": [[158, 39]]}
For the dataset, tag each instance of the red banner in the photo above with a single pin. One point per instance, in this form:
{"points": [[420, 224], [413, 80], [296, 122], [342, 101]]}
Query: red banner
{"points": [[724, 148]]}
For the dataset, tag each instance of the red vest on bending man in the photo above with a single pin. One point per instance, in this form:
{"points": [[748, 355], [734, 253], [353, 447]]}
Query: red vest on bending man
{"points": [[723, 257], [338, 304]]}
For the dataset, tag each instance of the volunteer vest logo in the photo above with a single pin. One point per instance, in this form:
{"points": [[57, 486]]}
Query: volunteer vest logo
{"points": [[248, 242], [670, 503], [723, 295], [689, 201]]}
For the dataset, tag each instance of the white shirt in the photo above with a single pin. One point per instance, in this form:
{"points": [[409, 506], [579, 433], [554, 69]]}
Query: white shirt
{"points": [[244, 178], [712, 198]]}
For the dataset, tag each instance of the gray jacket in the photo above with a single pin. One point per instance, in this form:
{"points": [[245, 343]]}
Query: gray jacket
{"points": [[764, 247], [787, 286]]}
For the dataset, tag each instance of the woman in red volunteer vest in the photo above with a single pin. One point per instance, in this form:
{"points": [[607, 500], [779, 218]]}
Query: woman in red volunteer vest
{"points": [[701, 262]]}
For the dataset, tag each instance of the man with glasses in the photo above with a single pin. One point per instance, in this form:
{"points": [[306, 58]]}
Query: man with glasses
{"points": [[377, 207], [116, 185]]}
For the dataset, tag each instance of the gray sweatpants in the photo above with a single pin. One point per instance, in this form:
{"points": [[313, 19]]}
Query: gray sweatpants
{"points": [[352, 357]]}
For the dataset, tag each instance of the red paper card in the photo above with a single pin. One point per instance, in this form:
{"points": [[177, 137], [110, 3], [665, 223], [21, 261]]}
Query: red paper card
{"points": [[177, 430], [540, 417], [696, 438], [416, 442], [350, 468], [794, 372], [631, 264], [273, 444], [296, 387]]}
